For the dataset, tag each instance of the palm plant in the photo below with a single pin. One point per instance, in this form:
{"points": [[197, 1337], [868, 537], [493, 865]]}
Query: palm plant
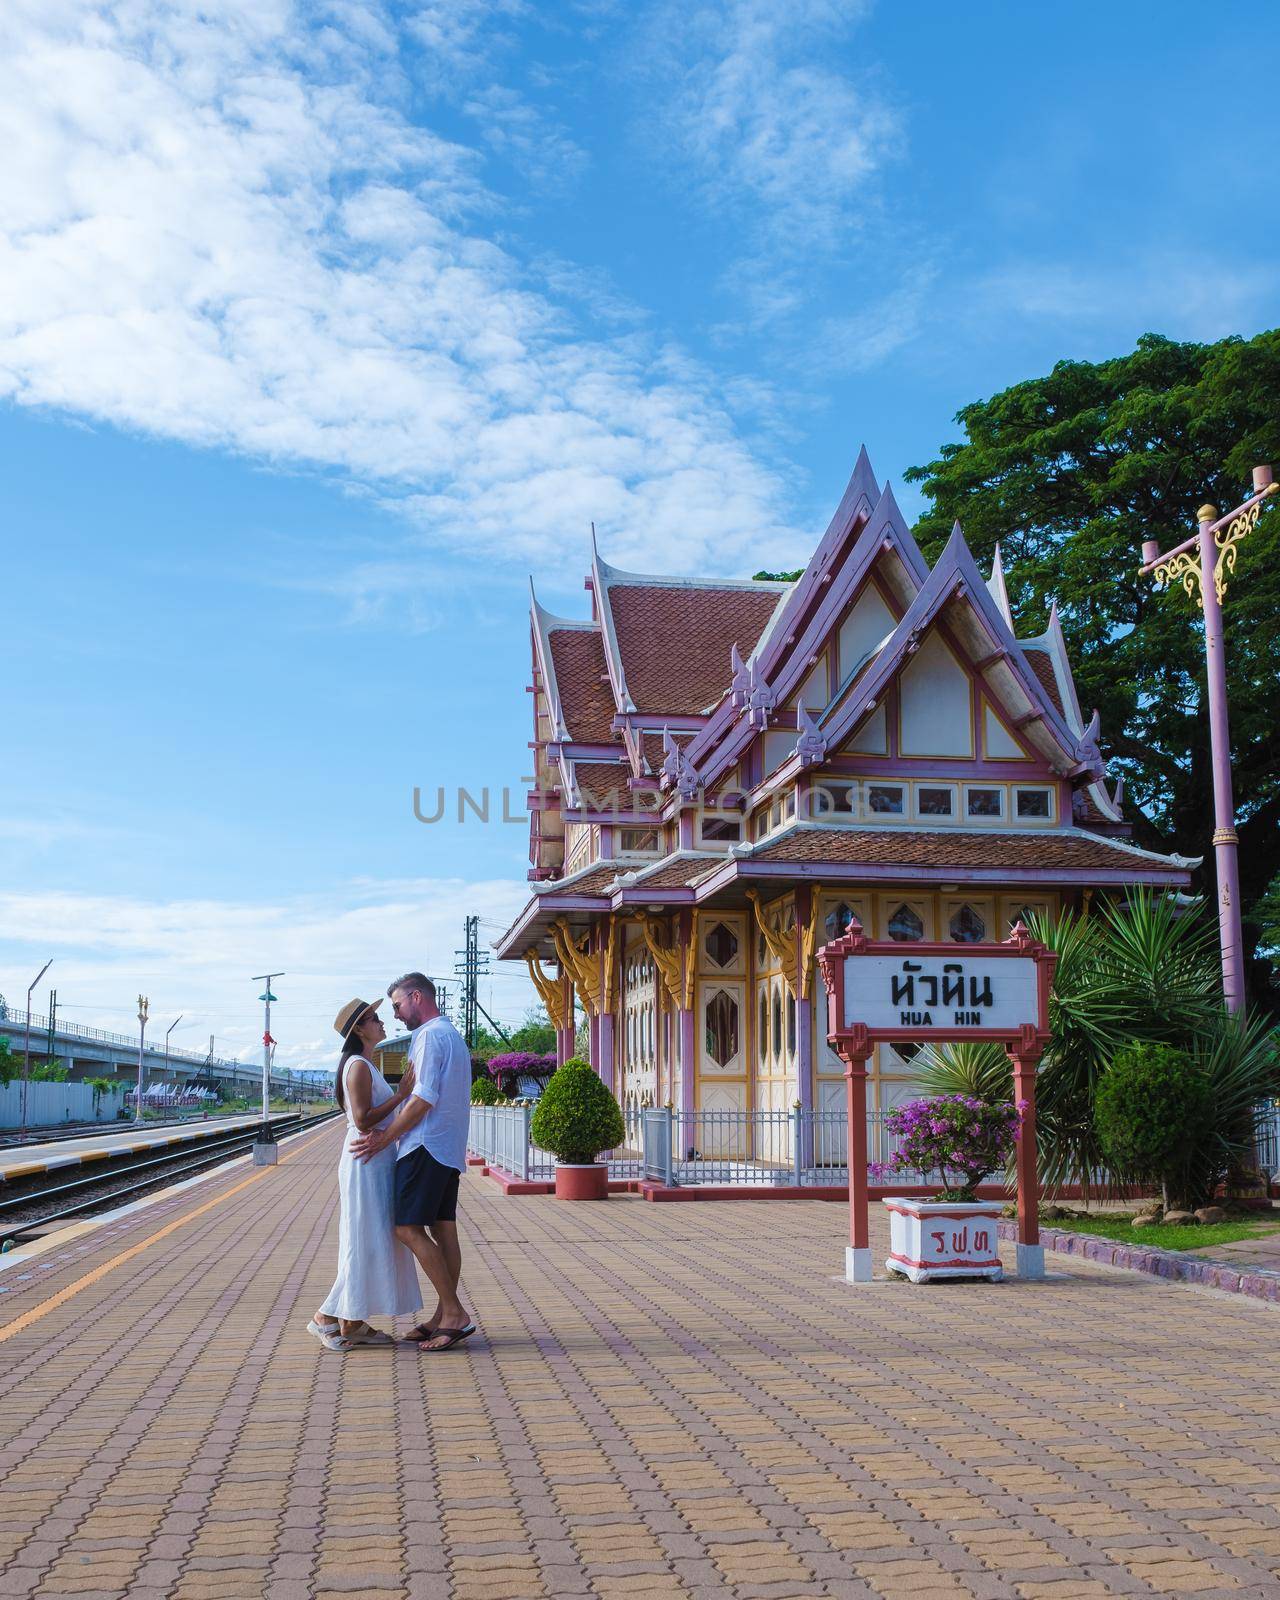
{"points": [[1240, 1058]]}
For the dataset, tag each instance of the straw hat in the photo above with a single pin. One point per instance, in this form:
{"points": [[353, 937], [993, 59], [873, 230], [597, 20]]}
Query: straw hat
{"points": [[352, 1013]]}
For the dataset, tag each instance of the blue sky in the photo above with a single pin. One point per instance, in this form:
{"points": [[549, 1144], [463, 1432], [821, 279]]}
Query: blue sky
{"points": [[322, 327]]}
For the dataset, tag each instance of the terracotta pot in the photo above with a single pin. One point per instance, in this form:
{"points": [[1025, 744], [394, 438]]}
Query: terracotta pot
{"points": [[943, 1238], [589, 1182]]}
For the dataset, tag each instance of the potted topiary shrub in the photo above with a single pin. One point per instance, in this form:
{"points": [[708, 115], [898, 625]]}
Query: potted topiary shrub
{"points": [[951, 1234], [485, 1092], [575, 1119]]}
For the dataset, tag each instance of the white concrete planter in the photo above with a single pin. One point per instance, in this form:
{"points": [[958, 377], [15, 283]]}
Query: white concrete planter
{"points": [[943, 1239]]}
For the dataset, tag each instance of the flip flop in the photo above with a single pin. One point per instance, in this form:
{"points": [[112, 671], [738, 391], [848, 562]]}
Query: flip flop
{"points": [[454, 1336], [420, 1334]]}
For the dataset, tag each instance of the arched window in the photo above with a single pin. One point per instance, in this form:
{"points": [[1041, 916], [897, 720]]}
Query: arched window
{"points": [[722, 1027], [838, 920], [791, 1026], [763, 1029], [905, 926], [967, 927], [777, 1026]]}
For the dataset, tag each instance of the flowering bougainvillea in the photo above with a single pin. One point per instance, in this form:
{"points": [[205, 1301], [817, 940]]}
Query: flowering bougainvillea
{"points": [[519, 1063], [954, 1134]]}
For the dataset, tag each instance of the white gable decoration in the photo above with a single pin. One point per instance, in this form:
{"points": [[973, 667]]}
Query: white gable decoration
{"points": [[937, 703]]}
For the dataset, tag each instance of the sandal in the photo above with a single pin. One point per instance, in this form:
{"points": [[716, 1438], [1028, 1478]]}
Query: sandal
{"points": [[454, 1336], [330, 1338], [365, 1334], [420, 1334]]}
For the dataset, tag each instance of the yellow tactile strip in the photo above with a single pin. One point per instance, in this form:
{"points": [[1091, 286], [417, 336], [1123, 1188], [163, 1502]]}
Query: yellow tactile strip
{"points": [[666, 1400]]}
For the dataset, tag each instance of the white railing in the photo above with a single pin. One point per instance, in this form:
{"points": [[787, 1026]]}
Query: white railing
{"points": [[767, 1149], [500, 1136]]}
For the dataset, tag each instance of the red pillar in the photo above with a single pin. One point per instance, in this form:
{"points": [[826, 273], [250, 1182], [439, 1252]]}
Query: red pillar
{"points": [[857, 1257], [1030, 1250]]}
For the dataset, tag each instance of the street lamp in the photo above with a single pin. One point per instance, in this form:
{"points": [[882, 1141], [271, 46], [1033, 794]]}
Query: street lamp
{"points": [[26, 1043], [143, 1007], [264, 1150], [167, 1032], [1211, 554]]}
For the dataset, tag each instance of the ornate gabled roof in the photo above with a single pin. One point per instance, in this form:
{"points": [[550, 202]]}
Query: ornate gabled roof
{"points": [[872, 534], [955, 589], [671, 637]]}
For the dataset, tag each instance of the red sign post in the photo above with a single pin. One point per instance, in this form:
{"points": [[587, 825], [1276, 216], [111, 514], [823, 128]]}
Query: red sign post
{"points": [[884, 992]]}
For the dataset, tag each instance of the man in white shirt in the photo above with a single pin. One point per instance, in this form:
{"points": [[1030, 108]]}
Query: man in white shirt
{"points": [[430, 1134]]}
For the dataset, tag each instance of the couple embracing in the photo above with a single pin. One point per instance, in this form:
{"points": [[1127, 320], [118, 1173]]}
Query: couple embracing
{"points": [[398, 1176]]}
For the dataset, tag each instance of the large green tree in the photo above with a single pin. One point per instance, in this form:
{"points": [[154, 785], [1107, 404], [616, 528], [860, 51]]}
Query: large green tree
{"points": [[1070, 473]]}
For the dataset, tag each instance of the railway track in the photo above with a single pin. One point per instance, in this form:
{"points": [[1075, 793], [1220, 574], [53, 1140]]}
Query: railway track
{"points": [[48, 1199], [62, 1133]]}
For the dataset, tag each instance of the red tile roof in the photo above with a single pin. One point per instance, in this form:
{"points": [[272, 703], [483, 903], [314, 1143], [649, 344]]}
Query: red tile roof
{"points": [[586, 700], [674, 641], [676, 874], [605, 786], [1041, 663], [945, 849], [598, 881]]}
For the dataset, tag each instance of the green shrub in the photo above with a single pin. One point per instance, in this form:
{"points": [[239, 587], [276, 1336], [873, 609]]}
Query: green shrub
{"points": [[485, 1092], [1150, 1110], [577, 1117]]}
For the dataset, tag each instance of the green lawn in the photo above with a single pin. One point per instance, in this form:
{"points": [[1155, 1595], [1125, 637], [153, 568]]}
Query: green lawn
{"points": [[1116, 1225]]}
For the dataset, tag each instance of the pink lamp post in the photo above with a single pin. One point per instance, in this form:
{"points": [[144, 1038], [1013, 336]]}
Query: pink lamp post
{"points": [[1211, 554]]}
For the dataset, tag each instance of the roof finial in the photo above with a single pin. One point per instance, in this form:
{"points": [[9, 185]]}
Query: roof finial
{"points": [[996, 587]]}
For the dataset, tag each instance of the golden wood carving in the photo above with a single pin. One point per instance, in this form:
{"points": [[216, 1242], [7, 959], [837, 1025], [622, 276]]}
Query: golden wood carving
{"points": [[554, 993], [667, 960], [782, 944], [582, 967]]}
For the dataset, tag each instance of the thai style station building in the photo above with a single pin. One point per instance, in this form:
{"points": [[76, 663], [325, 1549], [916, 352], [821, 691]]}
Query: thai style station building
{"points": [[728, 771]]}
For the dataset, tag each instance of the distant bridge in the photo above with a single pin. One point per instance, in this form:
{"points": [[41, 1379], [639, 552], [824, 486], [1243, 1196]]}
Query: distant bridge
{"points": [[94, 1053]]}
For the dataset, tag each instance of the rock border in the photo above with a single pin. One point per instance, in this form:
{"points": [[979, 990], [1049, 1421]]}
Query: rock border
{"points": [[1175, 1266]]}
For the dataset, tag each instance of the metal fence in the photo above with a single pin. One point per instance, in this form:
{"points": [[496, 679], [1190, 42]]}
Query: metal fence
{"points": [[500, 1135], [1268, 1137], [766, 1149], [763, 1148]]}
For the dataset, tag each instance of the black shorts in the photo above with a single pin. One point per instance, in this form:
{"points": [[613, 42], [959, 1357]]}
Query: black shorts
{"points": [[426, 1190]]}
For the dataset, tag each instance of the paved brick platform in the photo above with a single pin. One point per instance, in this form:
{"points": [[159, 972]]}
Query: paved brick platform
{"points": [[666, 1400]]}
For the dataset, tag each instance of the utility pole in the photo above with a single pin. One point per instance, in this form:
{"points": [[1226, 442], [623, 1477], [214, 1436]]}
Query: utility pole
{"points": [[26, 1044], [264, 1149], [167, 1032], [144, 1005], [52, 1034], [470, 967]]}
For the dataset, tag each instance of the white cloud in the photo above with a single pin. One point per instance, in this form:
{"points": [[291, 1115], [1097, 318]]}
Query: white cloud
{"points": [[196, 957], [763, 119], [865, 339], [1179, 293], [224, 229]]}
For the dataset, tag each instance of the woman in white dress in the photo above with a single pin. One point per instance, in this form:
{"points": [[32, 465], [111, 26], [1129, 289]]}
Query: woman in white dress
{"points": [[376, 1273]]}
